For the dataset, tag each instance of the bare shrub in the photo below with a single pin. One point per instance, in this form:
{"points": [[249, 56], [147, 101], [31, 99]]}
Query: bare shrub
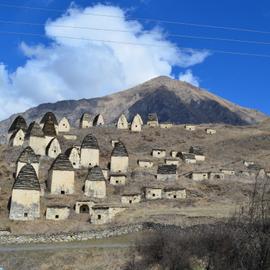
{"points": [[240, 243]]}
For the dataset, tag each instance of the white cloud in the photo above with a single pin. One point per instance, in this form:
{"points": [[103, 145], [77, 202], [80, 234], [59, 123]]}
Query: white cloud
{"points": [[83, 67], [188, 77]]}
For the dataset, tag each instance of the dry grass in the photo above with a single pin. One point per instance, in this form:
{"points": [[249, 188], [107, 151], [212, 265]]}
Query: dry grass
{"points": [[111, 253], [206, 200], [79, 259]]}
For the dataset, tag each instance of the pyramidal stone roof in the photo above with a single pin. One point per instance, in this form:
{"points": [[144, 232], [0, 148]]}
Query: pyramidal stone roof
{"points": [[122, 118], [49, 128], [85, 117], [50, 144], [49, 116], [168, 189], [139, 117], [28, 156], [152, 117], [18, 123], [63, 119], [96, 119], [167, 169], [27, 179], [34, 130], [62, 163], [119, 150], [197, 150], [187, 156], [90, 142], [69, 151], [14, 134], [95, 174]]}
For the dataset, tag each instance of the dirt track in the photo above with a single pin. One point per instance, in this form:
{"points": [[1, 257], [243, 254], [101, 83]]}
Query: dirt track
{"points": [[51, 247]]}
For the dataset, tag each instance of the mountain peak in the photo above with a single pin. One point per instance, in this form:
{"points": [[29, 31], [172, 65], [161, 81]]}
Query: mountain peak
{"points": [[173, 100], [168, 82], [161, 78]]}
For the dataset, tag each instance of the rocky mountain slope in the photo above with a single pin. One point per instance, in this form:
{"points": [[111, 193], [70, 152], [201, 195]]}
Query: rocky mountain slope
{"points": [[173, 100]]}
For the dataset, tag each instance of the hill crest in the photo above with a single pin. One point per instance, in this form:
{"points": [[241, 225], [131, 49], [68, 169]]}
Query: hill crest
{"points": [[173, 100]]}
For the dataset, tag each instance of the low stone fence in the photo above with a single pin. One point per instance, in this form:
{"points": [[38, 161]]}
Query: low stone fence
{"points": [[161, 227], [71, 236], [83, 236]]}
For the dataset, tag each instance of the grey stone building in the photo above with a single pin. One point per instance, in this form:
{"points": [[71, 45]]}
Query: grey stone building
{"points": [[167, 172], [18, 123], [27, 156], [95, 184], [25, 198], [152, 120]]}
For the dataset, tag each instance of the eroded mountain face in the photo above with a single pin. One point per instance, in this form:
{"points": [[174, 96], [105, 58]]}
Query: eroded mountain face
{"points": [[172, 100]]}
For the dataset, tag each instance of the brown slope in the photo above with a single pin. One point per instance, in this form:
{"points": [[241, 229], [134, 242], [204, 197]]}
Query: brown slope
{"points": [[164, 95]]}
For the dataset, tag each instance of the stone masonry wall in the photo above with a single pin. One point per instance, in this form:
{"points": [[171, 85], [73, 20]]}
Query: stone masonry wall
{"points": [[68, 237], [82, 236]]}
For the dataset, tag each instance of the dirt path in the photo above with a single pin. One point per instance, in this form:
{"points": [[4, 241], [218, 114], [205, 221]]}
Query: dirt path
{"points": [[124, 241], [50, 247]]}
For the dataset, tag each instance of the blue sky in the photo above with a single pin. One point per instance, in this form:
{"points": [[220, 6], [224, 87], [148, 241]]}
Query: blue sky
{"points": [[243, 80]]}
